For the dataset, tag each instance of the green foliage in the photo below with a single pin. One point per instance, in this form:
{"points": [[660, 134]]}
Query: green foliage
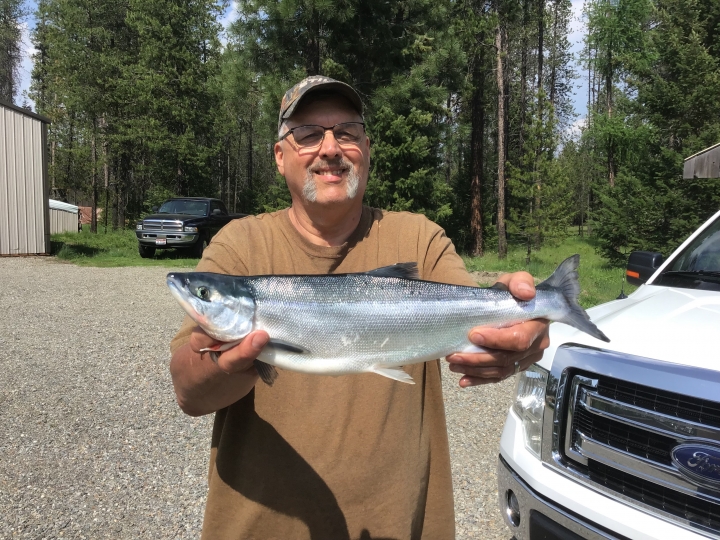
{"points": [[112, 248], [599, 281], [665, 72], [11, 14], [538, 185]]}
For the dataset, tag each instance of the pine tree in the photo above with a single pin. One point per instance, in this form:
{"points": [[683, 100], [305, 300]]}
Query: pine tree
{"points": [[11, 14]]}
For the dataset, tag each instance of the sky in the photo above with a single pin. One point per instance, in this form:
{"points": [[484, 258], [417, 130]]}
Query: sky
{"points": [[230, 15]]}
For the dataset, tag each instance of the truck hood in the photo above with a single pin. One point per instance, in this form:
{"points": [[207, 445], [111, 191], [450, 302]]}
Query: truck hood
{"points": [[172, 217], [664, 323]]}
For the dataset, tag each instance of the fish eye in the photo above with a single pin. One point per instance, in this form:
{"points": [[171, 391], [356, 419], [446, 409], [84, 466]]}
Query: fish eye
{"points": [[203, 293]]}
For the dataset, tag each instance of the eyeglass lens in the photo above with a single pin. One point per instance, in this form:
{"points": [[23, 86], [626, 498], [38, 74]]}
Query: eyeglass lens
{"points": [[346, 133]]}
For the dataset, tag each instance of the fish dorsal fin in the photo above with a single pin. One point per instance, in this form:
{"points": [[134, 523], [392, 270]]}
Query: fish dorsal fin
{"points": [[500, 287], [408, 270]]}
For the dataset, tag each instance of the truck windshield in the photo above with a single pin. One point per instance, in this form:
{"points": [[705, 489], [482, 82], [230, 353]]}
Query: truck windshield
{"points": [[698, 265], [193, 208]]}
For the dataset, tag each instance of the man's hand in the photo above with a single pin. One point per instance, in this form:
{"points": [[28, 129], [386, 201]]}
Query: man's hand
{"points": [[520, 345], [203, 386], [236, 359]]}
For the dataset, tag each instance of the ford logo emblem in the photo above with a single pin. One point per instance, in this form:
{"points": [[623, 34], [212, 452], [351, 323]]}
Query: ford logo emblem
{"points": [[699, 463]]}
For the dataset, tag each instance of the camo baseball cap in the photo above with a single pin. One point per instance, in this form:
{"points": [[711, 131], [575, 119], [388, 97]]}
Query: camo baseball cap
{"points": [[294, 96]]}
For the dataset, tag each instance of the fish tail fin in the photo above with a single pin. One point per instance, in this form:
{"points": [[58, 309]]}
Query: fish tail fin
{"points": [[565, 280]]}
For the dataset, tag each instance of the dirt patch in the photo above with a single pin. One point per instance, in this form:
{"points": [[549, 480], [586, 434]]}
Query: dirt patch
{"points": [[486, 278]]}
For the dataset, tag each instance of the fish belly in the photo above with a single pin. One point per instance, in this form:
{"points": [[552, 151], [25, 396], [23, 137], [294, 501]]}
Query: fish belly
{"points": [[343, 338]]}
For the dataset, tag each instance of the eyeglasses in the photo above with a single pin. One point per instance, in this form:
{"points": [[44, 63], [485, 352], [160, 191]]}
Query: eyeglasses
{"points": [[346, 134]]}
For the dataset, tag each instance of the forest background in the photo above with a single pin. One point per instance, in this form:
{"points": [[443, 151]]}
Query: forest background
{"points": [[468, 107]]}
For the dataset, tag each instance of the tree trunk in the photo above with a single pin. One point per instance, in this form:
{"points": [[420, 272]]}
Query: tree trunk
{"points": [[476, 151], [541, 45], [500, 46], [523, 74], [312, 65], [94, 178], [553, 55], [609, 96], [540, 112]]}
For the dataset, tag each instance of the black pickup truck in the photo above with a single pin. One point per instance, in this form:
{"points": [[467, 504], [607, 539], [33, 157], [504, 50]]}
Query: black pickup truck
{"points": [[183, 222]]}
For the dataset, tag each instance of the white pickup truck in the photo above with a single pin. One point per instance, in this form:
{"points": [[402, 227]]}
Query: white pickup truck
{"points": [[621, 440]]}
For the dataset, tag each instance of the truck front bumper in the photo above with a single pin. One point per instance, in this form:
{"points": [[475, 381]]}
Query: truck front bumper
{"points": [[574, 510], [168, 239], [532, 516]]}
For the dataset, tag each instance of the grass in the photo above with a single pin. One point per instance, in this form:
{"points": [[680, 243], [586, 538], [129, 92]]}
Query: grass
{"points": [[599, 282], [112, 248]]}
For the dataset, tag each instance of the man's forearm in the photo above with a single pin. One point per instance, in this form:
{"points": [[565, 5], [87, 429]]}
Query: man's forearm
{"points": [[201, 387]]}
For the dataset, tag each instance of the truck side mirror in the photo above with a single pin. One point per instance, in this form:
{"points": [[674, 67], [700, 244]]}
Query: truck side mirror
{"points": [[217, 212], [641, 265], [155, 208]]}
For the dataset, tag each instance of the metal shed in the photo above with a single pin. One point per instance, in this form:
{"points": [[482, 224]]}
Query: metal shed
{"points": [[64, 217], [24, 211], [704, 164]]}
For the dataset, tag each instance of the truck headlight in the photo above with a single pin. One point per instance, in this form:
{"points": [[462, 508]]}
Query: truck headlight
{"points": [[530, 404], [138, 226], [189, 228]]}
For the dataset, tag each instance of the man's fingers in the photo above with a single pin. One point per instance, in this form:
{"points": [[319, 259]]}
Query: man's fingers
{"points": [[521, 284], [519, 337], [496, 372], [241, 356]]}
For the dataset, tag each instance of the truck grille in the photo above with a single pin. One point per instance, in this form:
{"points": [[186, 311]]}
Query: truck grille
{"points": [[683, 506], [162, 225], [617, 436]]}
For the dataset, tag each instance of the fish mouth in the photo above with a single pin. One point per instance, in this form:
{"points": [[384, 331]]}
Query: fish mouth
{"points": [[179, 290]]}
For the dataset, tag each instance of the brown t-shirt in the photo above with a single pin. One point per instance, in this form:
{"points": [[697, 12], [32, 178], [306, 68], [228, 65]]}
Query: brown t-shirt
{"points": [[314, 457]]}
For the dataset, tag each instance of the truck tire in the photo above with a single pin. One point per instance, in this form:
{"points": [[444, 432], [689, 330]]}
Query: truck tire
{"points": [[146, 252], [199, 247]]}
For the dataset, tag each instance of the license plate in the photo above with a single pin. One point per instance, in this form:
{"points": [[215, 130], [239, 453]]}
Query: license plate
{"points": [[160, 241]]}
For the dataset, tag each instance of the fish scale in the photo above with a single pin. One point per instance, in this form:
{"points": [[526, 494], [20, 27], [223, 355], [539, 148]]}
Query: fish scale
{"points": [[368, 322]]}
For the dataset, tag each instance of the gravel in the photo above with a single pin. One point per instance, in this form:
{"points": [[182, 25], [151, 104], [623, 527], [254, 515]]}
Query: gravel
{"points": [[92, 444]]}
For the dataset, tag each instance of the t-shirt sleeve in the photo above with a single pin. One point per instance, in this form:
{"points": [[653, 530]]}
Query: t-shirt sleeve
{"points": [[442, 263], [221, 259]]}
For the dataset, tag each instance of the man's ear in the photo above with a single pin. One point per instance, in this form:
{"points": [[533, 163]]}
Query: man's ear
{"points": [[279, 157]]}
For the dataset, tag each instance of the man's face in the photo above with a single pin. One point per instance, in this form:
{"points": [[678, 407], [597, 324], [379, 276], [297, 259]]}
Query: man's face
{"points": [[329, 173]]}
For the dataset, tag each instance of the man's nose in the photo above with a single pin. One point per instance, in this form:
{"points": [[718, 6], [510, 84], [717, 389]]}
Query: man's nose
{"points": [[330, 147]]}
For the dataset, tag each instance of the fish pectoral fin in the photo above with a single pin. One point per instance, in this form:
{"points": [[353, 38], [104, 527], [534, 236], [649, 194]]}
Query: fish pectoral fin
{"points": [[267, 373], [392, 373], [222, 347], [286, 346]]}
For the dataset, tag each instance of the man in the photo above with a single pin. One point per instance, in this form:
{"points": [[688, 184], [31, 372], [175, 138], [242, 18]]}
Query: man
{"points": [[338, 458]]}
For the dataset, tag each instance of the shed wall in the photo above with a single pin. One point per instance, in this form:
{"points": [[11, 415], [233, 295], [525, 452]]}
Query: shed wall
{"points": [[63, 221], [24, 223], [705, 164]]}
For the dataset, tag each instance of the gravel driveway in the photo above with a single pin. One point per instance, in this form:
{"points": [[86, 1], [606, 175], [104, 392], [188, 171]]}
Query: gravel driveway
{"points": [[92, 444]]}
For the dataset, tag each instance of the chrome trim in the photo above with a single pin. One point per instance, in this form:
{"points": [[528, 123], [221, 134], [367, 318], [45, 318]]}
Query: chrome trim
{"points": [[173, 225], [646, 419], [530, 500], [638, 466], [573, 361], [575, 389]]}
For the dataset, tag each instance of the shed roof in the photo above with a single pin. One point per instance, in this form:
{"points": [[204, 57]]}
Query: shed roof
{"points": [[31, 114], [59, 205], [704, 164]]}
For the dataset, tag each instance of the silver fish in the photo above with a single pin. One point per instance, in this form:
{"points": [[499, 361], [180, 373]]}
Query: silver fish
{"points": [[371, 322]]}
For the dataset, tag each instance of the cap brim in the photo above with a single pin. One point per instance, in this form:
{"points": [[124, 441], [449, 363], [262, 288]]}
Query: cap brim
{"points": [[334, 86]]}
